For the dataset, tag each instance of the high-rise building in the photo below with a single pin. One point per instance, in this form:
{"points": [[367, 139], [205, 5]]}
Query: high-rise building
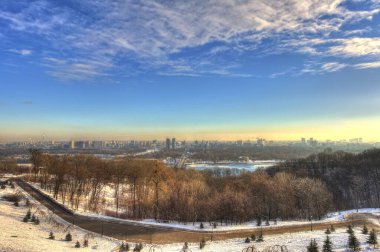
{"points": [[173, 143], [168, 143]]}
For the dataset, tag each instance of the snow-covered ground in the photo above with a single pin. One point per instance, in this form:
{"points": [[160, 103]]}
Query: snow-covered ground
{"points": [[16, 235], [295, 242]]}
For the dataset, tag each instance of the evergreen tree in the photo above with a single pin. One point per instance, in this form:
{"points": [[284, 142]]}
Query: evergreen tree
{"points": [[33, 219], [68, 237], [85, 243], [126, 246], [260, 238], [327, 245], [349, 229], [353, 242], [313, 246], [77, 244], [258, 222], [185, 246], [202, 244], [267, 222], [201, 226], [365, 229], [247, 240], [51, 236], [37, 221], [332, 228], [253, 237], [28, 214], [372, 238], [25, 219], [327, 231]]}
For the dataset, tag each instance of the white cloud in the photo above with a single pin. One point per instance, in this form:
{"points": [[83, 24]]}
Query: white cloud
{"points": [[354, 47], [374, 64], [332, 66], [23, 52]]}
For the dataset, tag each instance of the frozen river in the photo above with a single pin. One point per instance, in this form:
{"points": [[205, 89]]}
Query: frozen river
{"points": [[248, 166]]}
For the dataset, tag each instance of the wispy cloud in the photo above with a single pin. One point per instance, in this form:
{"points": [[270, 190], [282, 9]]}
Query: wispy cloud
{"points": [[102, 35], [23, 52], [374, 64]]}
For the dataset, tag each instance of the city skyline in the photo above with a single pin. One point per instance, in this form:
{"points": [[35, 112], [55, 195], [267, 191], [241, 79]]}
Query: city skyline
{"points": [[225, 70]]}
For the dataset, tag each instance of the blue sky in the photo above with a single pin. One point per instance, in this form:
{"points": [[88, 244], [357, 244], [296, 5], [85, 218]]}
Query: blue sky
{"points": [[226, 69]]}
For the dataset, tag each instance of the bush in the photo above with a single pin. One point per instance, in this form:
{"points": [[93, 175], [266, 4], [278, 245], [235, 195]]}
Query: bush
{"points": [[332, 228], [25, 219], [37, 221], [185, 246], [12, 197], [328, 231], [365, 229], [202, 244], [85, 243], [28, 214], [247, 240], [51, 236], [77, 244], [68, 237], [349, 229], [16, 204], [33, 219], [138, 247], [253, 237], [260, 238]]}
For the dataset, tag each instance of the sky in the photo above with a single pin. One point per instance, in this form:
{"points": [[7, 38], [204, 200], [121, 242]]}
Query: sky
{"points": [[199, 69]]}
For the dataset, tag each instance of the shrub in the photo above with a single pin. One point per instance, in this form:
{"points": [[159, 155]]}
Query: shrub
{"points": [[202, 244], [365, 229], [332, 228], [349, 229], [25, 219], [12, 197], [16, 204], [247, 240], [77, 244], [37, 221], [260, 238], [85, 243], [253, 237], [68, 237], [327, 231], [51, 236]]}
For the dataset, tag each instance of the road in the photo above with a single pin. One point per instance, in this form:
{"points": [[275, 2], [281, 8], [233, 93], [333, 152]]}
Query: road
{"points": [[135, 232]]}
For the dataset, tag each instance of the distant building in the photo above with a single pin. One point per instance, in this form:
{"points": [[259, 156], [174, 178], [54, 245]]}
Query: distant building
{"points": [[303, 141], [168, 143], [72, 144], [173, 143]]}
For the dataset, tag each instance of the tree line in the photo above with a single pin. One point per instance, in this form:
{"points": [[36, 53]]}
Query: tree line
{"points": [[144, 189], [353, 179]]}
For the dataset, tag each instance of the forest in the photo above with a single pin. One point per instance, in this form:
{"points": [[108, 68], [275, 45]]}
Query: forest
{"points": [[138, 188], [353, 179], [147, 189]]}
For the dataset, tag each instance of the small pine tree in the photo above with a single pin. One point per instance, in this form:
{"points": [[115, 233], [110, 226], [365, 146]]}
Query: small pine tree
{"points": [[332, 228], [85, 243], [313, 246], [202, 244], [186, 245], [126, 247], [37, 221], [253, 237], [353, 242], [327, 231], [77, 244], [25, 219], [201, 226], [28, 214], [327, 245], [267, 222], [260, 238], [349, 229], [365, 229], [247, 240], [372, 239], [51, 236], [138, 247], [68, 237], [33, 219]]}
